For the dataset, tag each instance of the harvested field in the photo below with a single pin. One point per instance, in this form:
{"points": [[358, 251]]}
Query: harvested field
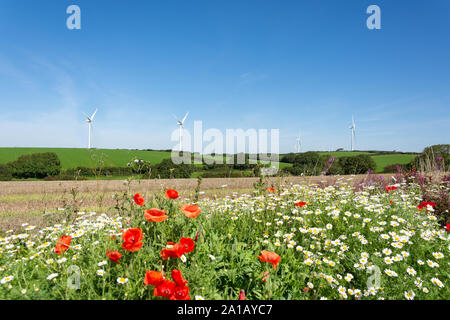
{"points": [[31, 201]]}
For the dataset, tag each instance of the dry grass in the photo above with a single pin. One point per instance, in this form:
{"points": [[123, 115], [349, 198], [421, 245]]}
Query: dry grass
{"points": [[32, 201]]}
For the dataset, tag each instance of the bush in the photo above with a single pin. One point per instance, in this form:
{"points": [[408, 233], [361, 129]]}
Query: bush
{"points": [[393, 168], [36, 165], [227, 174], [308, 163], [98, 172], [359, 164], [168, 170], [5, 173]]}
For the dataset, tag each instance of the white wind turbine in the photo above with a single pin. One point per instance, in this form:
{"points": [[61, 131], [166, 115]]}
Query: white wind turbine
{"points": [[352, 128], [180, 124], [89, 121], [298, 143]]}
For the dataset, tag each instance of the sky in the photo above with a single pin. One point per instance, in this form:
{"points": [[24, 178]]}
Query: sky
{"points": [[303, 67]]}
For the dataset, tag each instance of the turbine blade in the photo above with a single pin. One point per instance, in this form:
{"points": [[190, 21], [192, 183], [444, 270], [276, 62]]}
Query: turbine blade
{"points": [[178, 120], [93, 115], [182, 121], [87, 117]]}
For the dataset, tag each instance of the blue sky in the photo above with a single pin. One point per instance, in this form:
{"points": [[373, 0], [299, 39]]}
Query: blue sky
{"points": [[287, 65]]}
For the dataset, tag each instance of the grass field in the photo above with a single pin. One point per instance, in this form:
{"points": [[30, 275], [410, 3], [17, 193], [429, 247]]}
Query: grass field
{"points": [[79, 157], [384, 160], [340, 154], [76, 157], [381, 160]]}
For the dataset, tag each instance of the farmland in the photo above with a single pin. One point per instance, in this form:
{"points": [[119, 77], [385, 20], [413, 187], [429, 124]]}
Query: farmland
{"points": [[308, 238], [78, 157]]}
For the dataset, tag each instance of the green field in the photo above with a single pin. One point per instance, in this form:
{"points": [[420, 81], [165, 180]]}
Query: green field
{"points": [[72, 157], [384, 160], [80, 157], [340, 154]]}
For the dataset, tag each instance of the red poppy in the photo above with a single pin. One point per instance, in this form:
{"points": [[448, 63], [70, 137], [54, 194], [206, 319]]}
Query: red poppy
{"points": [[178, 278], [447, 227], [270, 257], [154, 278], [176, 251], [424, 204], [390, 188], [188, 245], [165, 289], [138, 199], [114, 255], [63, 244], [185, 245], [270, 189], [171, 194], [190, 210], [180, 293], [241, 295], [300, 204], [155, 215], [132, 239]]}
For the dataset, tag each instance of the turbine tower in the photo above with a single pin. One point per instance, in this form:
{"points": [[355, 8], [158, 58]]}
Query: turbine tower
{"points": [[180, 124], [89, 122], [298, 143], [352, 128]]}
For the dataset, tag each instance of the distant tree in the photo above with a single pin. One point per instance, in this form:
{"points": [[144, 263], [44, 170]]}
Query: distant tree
{"points": [[36, 165]]}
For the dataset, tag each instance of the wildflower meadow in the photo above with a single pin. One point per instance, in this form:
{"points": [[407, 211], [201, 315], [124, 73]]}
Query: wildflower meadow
{"points": [[296, 242]]}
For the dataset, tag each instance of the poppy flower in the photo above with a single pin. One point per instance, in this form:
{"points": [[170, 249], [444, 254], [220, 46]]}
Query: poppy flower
{"points": [[424, 204], [132, 239], [178, 278], [114, 256], [270, 257], [187, 244], [154, 278], [176, 251], [190, 210], [171, 194], [180, 293], [300, 204], [270, 189], [447, 227], [63, 244], [390, 188], [165, 289], [241, 295], [138, 199], [155, 215]]}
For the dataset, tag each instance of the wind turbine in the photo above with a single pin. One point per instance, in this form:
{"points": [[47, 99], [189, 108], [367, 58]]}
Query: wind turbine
{"points": [[89, 122], [298, 143], [180, 124], [352, 128]]}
